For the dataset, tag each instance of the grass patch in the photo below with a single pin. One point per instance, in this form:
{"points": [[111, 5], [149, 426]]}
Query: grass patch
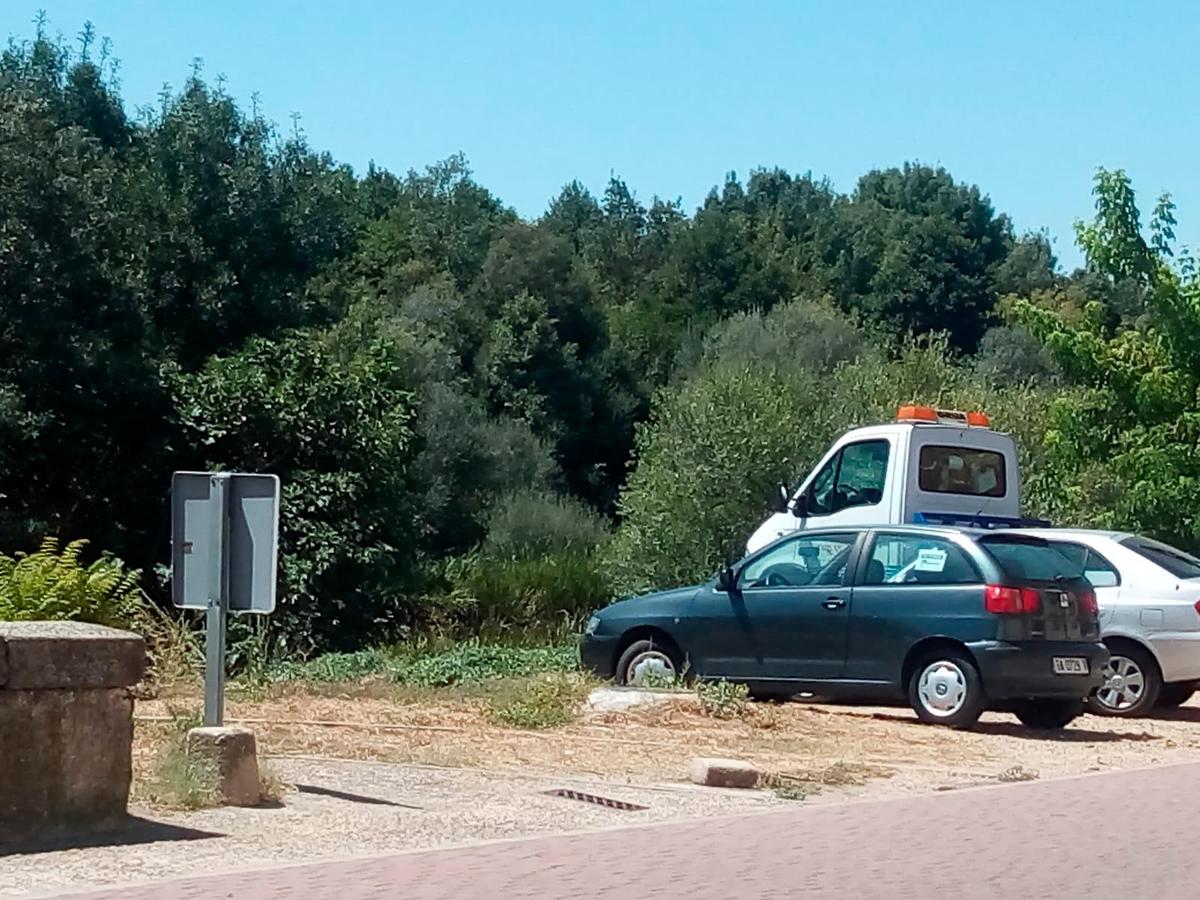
{"points": [[546, 702], [424, 665], [797, 785]]}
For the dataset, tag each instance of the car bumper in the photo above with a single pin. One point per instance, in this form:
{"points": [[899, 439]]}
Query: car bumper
{"points": [[598, 654], [1178, 654], [1014, 670]]}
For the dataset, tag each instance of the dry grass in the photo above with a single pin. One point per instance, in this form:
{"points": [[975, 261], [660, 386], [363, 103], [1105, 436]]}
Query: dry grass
{"points": [[809, 748]]}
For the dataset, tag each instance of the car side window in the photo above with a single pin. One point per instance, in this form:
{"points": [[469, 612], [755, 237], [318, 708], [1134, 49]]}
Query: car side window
{"points": [[807, 560], [907, 559], [854, 477]]}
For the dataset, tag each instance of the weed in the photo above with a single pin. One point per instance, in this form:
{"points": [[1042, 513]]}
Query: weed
{"points": [[723, 699], [177, 779], [271, 787], [1017, 773], [793, 792], [546, 702], [839, 774]]}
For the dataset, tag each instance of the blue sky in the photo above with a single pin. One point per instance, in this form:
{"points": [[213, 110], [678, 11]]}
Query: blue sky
{"points": [[1023, 98]]}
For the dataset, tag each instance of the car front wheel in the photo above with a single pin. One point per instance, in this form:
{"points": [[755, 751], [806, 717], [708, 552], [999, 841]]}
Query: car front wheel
{"points": [[1048, 715], [945, 689], [649, 663]]}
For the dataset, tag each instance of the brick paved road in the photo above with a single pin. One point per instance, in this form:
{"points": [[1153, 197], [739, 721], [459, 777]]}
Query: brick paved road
{"points": [[1124, 836]]}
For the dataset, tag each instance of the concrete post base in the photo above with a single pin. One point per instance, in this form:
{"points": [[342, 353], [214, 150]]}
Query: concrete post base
{"points": [[233, 752]]}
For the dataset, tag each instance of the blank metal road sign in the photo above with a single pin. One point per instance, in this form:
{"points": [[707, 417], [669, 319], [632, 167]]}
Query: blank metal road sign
{"points": [[224, 539]]}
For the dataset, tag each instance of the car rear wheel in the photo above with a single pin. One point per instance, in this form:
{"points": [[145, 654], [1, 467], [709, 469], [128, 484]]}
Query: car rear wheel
{"points": [[1176, 694], [945, 689], [1047, 715], [1131, 683], [649, 663]]}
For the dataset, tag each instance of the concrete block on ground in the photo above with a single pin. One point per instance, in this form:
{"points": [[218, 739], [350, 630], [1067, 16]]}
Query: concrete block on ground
{"points": [[619, 699], [729, 773], [234, 754], [65, 759], [69, 655]]}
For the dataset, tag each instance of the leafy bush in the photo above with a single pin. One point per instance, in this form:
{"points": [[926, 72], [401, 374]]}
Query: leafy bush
{"points": [[54, 583], [465, 663], [472, 662], [723, 699]]}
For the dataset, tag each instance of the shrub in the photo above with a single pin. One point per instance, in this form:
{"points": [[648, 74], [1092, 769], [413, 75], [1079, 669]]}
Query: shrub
{"points": [[559, 589], [531, 523], [53, 583], [723, 699]]}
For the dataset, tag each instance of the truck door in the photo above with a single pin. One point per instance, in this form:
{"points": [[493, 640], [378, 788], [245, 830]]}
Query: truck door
{"points": [[855, 487]]}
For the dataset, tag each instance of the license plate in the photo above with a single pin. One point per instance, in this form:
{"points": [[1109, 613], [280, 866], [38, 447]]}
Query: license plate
{"points": [[1070, 665]]}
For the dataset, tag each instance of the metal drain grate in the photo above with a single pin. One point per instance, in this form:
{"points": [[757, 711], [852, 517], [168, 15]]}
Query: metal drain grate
{"points": [[592, 798]]}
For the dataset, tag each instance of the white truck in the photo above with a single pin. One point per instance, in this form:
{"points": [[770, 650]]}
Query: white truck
{"points": [[929, 466]]}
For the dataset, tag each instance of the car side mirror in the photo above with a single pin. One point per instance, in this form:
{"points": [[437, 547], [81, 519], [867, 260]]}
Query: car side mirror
{"points": [[800, 507], [779, 502], [726, 580]]}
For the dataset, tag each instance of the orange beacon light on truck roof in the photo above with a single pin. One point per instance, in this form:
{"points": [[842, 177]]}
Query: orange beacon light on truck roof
{"points": [[912, 412]]}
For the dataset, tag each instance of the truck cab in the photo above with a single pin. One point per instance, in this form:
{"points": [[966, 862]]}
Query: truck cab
{"points": [[929, 466]]}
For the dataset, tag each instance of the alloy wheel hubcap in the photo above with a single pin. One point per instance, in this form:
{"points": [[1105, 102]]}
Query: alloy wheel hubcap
{"points": [[651, 667], [942, 688], [1124, 684]]}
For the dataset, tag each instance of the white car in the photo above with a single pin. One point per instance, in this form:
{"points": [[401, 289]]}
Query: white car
{"points": [[1149, 596]]}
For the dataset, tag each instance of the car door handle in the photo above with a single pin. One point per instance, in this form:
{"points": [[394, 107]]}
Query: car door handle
{"points": [[833, 603]]}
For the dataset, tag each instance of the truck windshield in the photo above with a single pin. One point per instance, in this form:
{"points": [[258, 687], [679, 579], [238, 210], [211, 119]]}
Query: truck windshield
{"points": [[1031, 559], [962, 470], [1178, 563]]}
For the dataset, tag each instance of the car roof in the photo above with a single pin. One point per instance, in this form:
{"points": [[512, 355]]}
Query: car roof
{"points": [[1051, 533]]}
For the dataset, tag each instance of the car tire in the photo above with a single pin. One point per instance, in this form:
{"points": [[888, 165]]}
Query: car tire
{"points": [[1047, 715], [1176, 694], [945, 689], [655, 655], [1131, 685]]}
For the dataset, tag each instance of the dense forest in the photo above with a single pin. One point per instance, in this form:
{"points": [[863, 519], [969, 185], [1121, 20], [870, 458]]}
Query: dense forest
{"points": [[485, 421]]}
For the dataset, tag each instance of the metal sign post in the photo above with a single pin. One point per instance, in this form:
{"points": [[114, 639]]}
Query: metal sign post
{"points": [[224, 556], [218, 604]]}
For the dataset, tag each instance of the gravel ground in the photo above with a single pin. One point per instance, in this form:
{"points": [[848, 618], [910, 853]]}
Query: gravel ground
{"points": [[387, 807]]}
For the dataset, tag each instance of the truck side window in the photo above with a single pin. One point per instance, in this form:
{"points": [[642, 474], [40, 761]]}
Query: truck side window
{"points": [[854, 477]]}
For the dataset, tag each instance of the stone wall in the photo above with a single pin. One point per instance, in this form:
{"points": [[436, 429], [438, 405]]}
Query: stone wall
{"points": [[66, 724]]}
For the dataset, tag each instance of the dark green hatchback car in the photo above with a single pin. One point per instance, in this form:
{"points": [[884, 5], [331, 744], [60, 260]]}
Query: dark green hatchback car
{"points": [[955, 620]]}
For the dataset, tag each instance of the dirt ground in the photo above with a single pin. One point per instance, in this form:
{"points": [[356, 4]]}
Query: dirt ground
{"points": [[371, 769]]}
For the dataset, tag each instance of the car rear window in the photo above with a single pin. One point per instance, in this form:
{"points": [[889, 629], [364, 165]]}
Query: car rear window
{"points": [[1178, 563], [1031, 559], [961, 470]]}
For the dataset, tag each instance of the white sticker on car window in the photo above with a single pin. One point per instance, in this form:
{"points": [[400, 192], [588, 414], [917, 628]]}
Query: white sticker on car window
{"points": [[930, 559]]}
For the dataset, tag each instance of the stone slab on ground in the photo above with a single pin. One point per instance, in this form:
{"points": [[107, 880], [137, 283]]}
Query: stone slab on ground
{"points": [[619, 699], [233, 752], [65, 757], [727, 773], [75, 655]]}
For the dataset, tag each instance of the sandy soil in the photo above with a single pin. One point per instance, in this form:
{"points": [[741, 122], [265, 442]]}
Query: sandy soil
{"points": [[373, 770]]}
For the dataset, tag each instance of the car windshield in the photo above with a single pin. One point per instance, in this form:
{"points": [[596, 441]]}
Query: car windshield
{"points": [[1178, 563], [1032, 559]]}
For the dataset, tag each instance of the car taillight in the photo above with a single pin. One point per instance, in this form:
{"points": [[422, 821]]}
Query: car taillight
{"points": [[1198, 607], [1010, 601], [1088, 604]]}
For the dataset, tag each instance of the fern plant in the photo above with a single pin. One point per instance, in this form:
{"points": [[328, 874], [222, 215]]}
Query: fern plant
{"points": [[53, 583]]}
